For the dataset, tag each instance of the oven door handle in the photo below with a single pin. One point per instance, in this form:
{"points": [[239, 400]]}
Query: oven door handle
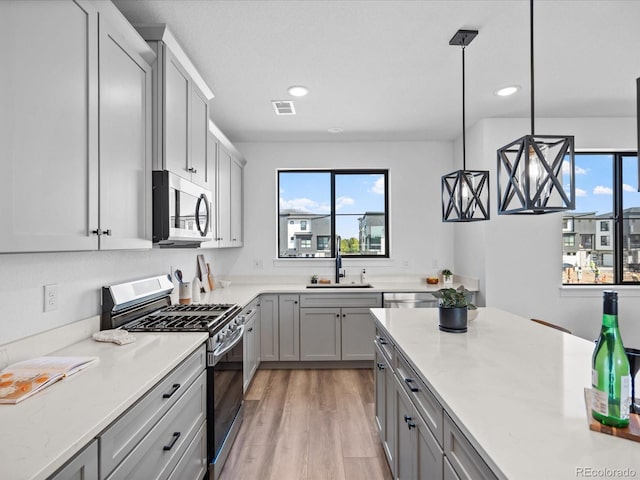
{"points": [[219, 353]]}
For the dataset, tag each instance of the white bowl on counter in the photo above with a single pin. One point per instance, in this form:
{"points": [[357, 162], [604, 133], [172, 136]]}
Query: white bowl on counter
{"points": [[224, 283]]}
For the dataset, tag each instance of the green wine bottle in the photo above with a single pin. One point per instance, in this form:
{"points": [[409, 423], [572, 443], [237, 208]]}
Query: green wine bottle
{"points": [[610, 375]]}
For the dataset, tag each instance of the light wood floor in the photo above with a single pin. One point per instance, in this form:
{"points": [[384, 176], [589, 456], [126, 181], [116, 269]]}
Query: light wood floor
{"points": [[308, 425]]}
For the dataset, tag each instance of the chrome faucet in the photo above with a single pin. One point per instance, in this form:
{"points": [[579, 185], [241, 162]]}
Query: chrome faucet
{"points": [[338, 260]]}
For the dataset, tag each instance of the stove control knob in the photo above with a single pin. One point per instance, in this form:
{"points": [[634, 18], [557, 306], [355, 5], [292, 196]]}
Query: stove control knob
{"points": [[221, 336], [233, 326]]}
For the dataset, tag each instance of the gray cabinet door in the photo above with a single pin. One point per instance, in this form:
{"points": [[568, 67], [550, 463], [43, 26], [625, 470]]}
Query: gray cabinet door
{"points": [[389, 443], [84, 466], [289, 327], [125, 143], [358, 333], [429, 457], [48, 126], [320, 334], [250, 360], [235, 203], [176, 116], [405, 444], [269, 335], [223, 207], [198, 129]]}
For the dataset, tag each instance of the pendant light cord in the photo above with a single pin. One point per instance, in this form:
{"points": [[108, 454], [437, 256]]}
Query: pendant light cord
{"points": [[533, 116], [464, 143]]}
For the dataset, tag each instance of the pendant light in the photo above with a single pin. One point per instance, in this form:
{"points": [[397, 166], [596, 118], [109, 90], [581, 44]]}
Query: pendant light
{"points": [[465, 193], [532, 168]]}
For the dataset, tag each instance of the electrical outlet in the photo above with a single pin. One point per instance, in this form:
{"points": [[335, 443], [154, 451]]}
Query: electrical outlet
{"points": [[50, 297], [405, 264], [258, 264]]}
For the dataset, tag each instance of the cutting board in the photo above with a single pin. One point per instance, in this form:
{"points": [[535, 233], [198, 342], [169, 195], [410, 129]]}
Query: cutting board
{"points": [[632, 432], [204, 272], [212, 285]]}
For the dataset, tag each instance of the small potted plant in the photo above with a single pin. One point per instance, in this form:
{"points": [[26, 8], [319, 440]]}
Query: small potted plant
{"points": [[454, 305], [314, 279], [447, 276]]}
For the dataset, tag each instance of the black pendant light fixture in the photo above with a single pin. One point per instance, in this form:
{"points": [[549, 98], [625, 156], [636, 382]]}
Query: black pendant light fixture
{"points": [[465, 193], [531, 169]]}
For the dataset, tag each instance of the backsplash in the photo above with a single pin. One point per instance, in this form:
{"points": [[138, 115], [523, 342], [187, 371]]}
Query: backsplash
{"points": [[79, 276]]}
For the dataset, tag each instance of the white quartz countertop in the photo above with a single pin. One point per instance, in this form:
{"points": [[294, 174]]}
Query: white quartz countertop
{"points": [[45, 430], [516, 389]]}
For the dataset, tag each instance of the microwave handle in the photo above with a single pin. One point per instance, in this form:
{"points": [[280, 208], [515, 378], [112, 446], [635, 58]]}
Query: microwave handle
{"points": [[202, 198]]}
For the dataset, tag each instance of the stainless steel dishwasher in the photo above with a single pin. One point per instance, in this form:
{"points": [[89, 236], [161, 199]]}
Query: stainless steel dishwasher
{"points": [[409, 300]]}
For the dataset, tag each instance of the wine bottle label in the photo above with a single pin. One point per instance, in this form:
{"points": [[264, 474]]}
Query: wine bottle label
{"points": [[600, 402], [625, 396]]}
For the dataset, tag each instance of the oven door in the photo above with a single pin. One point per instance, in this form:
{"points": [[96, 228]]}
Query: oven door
{"points": [[225, 379]]}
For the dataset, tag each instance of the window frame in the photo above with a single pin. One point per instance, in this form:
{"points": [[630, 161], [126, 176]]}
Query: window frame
{"points": [[616, 232], [332, 236]]}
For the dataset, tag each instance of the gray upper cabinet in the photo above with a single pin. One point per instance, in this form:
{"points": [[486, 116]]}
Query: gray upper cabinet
{"points": [[125, 143], [57, 147], [181, 109]]}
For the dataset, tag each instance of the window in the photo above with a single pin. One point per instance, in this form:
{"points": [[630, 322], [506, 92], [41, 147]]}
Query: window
{"points": [[305, 243], [325, 204], [569, 240], [606, 220], [323, 242]]}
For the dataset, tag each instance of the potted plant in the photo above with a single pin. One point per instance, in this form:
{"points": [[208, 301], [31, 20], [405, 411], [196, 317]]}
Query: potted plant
{"points": [[454, 305], [447, 276], [314, 279]]}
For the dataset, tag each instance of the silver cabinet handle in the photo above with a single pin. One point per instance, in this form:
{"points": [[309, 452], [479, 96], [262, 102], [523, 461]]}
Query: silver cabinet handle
{"points": [[99, 231], [192, 170]]}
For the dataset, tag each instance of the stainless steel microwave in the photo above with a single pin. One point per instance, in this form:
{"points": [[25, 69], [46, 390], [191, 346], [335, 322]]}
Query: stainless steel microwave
{"points": [[182, 213]]}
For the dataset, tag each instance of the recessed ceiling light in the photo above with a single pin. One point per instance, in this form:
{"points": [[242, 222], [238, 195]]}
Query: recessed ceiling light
{"points": [[335, 130], [506, 91], [298, 91]]}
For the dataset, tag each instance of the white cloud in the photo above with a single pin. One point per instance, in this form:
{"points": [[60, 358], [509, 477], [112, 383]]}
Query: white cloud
{"points": [[378, 187], [342, 201], [579, 170], [304, 204], [601, 190], [628, 188], [580, 192]]}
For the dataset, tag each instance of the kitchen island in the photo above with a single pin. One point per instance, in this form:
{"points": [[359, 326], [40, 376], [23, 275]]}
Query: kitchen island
{"points": [[515, 390]]}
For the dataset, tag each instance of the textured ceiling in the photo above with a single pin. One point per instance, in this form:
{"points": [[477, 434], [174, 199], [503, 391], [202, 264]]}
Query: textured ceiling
{"points": [[383, 70]]}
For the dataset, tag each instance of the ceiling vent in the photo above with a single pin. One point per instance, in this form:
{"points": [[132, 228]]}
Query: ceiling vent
{"points": [[283, 107]]}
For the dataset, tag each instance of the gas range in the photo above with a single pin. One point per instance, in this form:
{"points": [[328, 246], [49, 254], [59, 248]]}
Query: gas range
{"points": [[145, 306]]}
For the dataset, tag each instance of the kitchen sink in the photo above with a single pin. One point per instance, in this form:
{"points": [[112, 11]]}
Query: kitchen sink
{"points": [[340, 285]]}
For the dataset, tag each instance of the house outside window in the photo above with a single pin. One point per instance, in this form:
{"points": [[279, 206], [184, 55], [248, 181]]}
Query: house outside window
{"points": [[325, 204], [606, 219], [569, 240]]}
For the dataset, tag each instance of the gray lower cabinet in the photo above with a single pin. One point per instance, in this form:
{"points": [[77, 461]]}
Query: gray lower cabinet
{"points": [[358, 331], [419, 438], [320, 334], [251, 344], [418, 454], [385, 405], [464, 459], [163, 430], [269, 328], [84, 466], [289, 327]]}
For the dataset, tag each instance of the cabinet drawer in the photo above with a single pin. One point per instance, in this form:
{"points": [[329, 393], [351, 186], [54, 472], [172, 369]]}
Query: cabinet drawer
{"points": [[193, 464], [385, 345], [119, 439], [464, 459], [159, 452], [428, 407], [369, 300]]}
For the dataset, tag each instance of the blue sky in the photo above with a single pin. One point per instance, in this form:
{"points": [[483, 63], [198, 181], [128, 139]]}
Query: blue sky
{"points": [[311, 192], [594, 183]]}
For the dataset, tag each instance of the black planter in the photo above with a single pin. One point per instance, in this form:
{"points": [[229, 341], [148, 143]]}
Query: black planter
{"points": [[453, 320]]}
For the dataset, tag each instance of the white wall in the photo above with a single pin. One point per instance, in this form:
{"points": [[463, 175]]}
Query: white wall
{"points": [[417, 235], [79, 276], [532, 286]]}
